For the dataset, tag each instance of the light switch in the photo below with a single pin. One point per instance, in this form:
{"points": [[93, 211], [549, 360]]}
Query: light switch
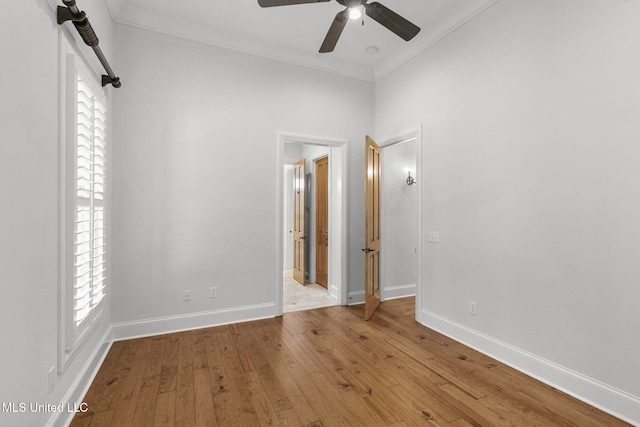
{"points": [[433, 236]]}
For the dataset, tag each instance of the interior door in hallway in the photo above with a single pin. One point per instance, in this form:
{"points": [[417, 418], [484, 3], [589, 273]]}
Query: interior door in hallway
{"points": [[373, 168], [322, 221], [298, 221]]}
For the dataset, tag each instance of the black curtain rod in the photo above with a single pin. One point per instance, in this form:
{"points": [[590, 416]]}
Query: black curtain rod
{"points": [[80, 21]]}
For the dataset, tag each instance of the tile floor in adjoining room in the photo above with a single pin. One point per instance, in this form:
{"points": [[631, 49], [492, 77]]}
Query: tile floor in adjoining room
{"points": [[298, 297]]}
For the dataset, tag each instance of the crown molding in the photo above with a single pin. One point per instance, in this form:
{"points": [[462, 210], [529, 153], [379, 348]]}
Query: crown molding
{"points": [[124, 13], [454, 19], [138, 17], [114, 7]]}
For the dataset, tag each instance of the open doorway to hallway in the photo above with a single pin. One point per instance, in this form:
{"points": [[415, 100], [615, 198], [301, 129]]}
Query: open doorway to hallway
{"points": [[292, 149], [306, 227]]}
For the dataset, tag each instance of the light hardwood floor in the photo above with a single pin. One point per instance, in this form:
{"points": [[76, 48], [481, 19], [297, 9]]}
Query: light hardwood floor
{"points": [[324, 367]]}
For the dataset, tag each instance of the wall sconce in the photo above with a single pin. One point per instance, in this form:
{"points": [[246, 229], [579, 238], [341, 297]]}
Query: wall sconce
{"points": [[410, 180]]}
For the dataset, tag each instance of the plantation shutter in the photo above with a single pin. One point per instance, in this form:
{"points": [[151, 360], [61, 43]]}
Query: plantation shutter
{"points": [[89, 244]]}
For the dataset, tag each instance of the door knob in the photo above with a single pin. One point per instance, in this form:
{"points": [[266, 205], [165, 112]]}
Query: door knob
{"points": [[367, 250]]}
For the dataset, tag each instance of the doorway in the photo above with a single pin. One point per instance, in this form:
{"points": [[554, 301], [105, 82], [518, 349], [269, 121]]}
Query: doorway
{"points": [[401, 245], [291, 148], [399, 218]]}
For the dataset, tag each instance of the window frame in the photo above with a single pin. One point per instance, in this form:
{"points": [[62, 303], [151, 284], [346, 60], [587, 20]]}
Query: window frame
{"points": [[71, 337]]}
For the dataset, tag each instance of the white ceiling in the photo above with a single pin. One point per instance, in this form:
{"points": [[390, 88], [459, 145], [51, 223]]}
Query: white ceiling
{"points": [[294, 33]]}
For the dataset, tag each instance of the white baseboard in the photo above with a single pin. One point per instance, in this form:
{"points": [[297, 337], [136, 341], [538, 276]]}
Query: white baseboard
{"points": [[400, 291], [388, 293], [356, 298], [602, 396], [334, 292], [184, 322], [82, 382]]}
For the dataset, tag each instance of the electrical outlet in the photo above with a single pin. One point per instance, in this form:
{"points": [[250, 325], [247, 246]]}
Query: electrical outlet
{"points": [[473, 308], [433, 237], [51, 378], [213, 292], [186, 295]]}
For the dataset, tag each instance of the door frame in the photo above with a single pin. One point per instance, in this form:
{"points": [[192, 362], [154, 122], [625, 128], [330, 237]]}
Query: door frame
{"points": [[416, 134], [338, 188]]}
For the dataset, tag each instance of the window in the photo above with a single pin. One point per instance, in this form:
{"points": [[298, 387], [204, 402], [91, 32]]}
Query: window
{"points": [[84, 168], [89, 242]]}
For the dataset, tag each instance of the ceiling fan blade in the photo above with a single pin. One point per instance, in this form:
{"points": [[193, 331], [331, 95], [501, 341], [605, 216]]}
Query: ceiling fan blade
{"points": [[392, 20], [335, 30], [270, 3]]}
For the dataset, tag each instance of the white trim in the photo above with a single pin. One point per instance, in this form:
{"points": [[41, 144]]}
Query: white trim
{"points": [[337, 226], [114, 7], [602, 396], [356, 297], [398, 291], [298, 138], [71, 62], [81, 384], [421, 185], [186, 322]]}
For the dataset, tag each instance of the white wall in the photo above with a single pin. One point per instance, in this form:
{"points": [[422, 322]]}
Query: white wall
{"points": [[196, 175], [398, 271], [530, 149], [29, 215]]}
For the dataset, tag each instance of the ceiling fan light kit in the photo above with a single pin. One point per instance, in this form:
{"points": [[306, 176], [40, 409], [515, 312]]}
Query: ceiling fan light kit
{"points": [[378, 12]]}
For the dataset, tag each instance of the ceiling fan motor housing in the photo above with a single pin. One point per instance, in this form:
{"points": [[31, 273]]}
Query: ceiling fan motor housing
{"points": [[352, 3]]}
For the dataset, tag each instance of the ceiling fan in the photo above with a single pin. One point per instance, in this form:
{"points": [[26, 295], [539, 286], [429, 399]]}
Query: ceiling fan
{"points": [[383, 15]]}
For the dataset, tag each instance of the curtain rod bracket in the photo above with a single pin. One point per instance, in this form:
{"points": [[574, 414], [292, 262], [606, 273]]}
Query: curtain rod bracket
{"points": [[108, 80], [82, 24], [65, 14]]}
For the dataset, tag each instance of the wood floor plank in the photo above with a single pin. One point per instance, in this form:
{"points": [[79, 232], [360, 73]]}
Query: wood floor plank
{"points": [[232, 398], [321, 368], [144, 412], [225, 394], [200, 360], [205, 411], [130, 393], [301, 412], [260, 357], [165, 413], [310, 408], [102, 419], [185, 391], [156, 352], [185, 395], [169, 364]]}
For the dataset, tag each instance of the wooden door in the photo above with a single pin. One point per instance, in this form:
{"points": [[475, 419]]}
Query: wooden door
{"points": [[373, 168], [322, 221], [298, 221]]}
